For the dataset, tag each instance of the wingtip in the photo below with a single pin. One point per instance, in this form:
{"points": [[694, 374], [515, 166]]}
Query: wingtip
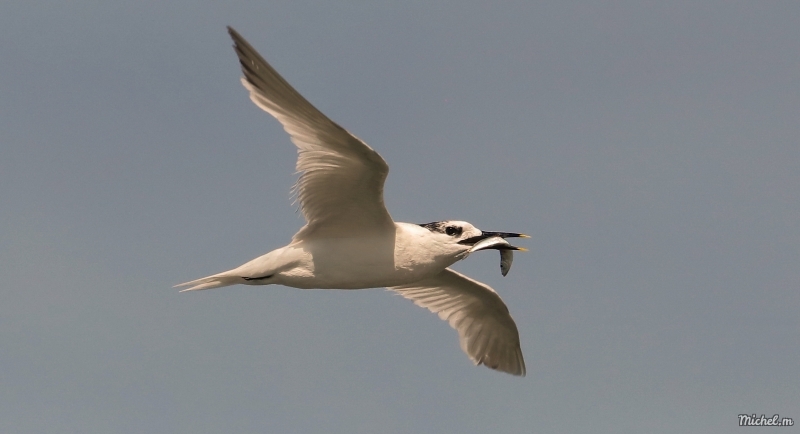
{"points": [[237, 38]]}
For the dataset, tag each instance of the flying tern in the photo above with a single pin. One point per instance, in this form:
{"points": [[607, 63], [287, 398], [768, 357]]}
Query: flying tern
{"points": [[350, 241]]}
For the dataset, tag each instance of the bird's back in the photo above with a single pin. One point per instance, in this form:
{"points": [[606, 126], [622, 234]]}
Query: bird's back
{"points": [[370, 260]]}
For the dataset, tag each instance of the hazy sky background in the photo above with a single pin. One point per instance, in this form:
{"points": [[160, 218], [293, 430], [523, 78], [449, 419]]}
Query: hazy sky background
{"points": [[650, 148]]}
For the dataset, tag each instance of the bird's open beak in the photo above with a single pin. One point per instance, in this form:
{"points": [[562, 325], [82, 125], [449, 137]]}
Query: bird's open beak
{"points": [[498, 243], [494, 240]]}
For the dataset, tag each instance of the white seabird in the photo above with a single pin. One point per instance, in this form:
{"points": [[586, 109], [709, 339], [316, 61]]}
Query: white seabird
{"points": [[351, 242]]}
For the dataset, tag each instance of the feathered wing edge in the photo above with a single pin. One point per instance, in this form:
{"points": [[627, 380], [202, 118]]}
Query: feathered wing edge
{"points": [[487, 333], [341, 177]]}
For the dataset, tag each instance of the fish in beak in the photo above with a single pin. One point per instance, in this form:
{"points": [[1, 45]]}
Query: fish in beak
{"points": [[496, 240]]}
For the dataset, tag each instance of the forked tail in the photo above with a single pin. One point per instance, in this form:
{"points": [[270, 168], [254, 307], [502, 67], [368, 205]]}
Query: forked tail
{"points": [[210, 282], [256, 272]]}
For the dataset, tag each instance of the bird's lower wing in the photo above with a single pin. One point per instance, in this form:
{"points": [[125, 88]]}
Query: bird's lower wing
{"points": [[486, 330], [340, 188]]}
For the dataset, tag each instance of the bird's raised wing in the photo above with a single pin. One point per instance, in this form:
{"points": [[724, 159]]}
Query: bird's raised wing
{"points": [[340, 188], [486, 331]]}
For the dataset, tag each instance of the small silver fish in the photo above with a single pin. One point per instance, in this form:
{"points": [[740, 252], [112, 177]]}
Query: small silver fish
{"points": [[506, 251]]}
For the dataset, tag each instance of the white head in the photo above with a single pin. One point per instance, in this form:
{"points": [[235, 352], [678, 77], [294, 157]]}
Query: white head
{"points": [[460, 238]]}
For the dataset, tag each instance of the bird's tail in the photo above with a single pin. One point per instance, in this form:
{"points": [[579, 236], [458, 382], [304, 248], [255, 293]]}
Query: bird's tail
{"points": [[210, 282]]}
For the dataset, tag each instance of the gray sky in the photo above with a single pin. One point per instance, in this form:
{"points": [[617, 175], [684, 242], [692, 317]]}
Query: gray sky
{"points": [[650, 148]]}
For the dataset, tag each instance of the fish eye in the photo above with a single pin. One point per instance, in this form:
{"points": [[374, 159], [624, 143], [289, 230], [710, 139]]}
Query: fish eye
{"points": [[453, 231]]}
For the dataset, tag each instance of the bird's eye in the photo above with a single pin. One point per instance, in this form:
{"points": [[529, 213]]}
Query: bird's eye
{"points": [[453, 231]]}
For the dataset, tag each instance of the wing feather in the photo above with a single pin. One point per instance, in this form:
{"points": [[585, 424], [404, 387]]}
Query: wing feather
{"points": [[487, 333], [340, 188]]}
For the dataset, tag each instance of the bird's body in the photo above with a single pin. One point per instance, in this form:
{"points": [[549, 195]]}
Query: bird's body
{"points": [[404, 255], [351, 242]]}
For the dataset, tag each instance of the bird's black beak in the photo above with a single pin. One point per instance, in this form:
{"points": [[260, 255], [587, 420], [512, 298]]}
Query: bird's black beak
{"points": [[497, 241], [486, 234]]}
